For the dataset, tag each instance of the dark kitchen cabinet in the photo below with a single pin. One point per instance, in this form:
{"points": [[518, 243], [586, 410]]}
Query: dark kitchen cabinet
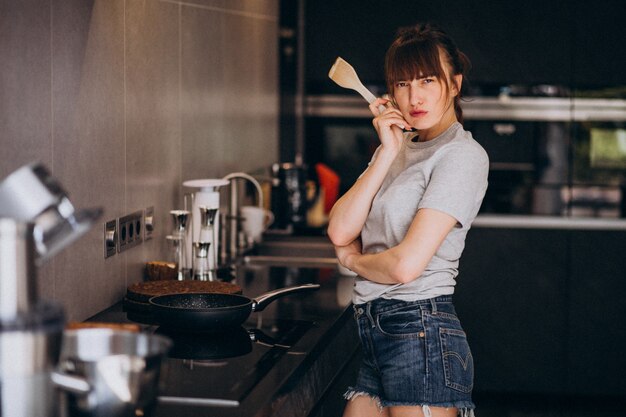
{"points": [[597, 308], [544, 310], [599, 56], [512, 301], [572, 43]]}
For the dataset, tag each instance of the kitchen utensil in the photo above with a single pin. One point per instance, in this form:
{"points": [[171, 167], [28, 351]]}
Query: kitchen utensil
{"points": [[207, 234], [178, 239], [212, 312], [136, 303], [201, 268], [110, 373], [31, 194], [345, 76], [143, 291]]}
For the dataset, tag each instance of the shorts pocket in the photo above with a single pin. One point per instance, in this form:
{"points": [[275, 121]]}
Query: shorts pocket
{"points": [[458, 363], [403, 323]]}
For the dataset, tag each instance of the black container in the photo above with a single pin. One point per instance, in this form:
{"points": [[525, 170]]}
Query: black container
{"points": [[289, 200]]}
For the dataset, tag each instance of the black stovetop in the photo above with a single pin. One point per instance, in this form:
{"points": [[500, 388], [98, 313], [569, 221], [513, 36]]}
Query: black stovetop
{"points": [[240, 372], [223, 368]]}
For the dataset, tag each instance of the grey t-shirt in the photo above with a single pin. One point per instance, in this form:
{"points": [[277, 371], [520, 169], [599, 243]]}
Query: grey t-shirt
{"points": [[447, 173]]}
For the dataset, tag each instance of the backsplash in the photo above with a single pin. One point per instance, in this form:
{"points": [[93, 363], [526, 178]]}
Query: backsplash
{"points": [[123, 100]]}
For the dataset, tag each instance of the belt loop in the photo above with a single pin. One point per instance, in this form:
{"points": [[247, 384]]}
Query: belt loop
{"points": [[433, 304], [368, 310]]}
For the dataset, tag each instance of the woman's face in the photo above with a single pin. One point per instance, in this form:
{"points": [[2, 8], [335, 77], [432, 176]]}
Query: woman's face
{"points": [[427, 104]]}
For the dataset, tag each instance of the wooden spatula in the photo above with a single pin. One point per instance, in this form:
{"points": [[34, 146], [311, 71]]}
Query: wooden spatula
{"points": [[345, 76]]}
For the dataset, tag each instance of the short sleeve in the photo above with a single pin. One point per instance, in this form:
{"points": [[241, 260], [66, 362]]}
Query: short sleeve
{"points": [[458, 182]]}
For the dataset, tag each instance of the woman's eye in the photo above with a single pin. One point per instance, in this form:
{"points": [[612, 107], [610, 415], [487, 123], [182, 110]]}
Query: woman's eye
{"points": [[400, 84], [428, 80]]}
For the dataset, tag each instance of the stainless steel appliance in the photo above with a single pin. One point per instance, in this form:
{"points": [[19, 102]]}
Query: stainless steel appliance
{"points": [[31, 194], [549, 155], [30, 329], [110, 373], [36, 221]]}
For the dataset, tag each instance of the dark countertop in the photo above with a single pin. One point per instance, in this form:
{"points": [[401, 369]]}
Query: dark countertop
{"points": [[300, 345]]}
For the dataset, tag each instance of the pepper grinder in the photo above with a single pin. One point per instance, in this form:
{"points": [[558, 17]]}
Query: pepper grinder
{"points": [[179, 237], [201, 269], [207, 234]]}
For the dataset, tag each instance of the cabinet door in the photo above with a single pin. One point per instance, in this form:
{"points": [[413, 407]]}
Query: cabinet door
{"points": [[597, 306], [511, 297], [599, 33]]}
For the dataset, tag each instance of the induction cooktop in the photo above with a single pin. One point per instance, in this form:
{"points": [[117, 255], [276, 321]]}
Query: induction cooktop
{"points": [[221, 369]]}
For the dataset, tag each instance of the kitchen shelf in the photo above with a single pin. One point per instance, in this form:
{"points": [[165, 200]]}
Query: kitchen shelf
{"points": [[489, 108]]}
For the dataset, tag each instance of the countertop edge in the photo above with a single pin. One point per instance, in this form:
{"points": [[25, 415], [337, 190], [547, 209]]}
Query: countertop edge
{"points": [[548, 222]]}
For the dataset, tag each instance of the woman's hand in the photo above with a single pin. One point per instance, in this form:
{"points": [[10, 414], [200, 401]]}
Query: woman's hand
{"points": [[345, 254], [388, 124]]}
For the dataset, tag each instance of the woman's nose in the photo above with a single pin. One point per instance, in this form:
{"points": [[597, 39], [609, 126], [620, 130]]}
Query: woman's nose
{"points": [[415, 96]]}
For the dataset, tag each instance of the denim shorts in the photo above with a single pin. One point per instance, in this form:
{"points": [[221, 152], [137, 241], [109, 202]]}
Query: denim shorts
{"points": [[414, 354]]}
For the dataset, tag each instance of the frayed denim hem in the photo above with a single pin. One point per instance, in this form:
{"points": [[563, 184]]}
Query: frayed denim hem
{"points": [[461, 411], [352, 393]]}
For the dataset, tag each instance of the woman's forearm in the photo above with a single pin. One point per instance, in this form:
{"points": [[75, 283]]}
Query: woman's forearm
{"points": [[348, 215], [406, 261]]}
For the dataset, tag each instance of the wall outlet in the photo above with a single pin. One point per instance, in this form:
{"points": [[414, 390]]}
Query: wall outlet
{"points": [[110, 238], [130, 230], [148, 223]]}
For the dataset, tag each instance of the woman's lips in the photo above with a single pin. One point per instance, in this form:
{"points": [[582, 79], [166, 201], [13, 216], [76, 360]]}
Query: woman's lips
{"points": [[418, 113]]}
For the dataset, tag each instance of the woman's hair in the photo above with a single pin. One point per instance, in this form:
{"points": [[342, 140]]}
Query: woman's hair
{"points": [[415, 54]]}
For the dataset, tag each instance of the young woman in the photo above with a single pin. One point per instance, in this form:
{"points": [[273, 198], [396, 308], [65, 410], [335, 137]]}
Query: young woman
{"points": [[402, 227]]}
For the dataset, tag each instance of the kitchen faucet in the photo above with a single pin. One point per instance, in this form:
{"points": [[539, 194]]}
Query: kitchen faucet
{"points": [[231, 251]]}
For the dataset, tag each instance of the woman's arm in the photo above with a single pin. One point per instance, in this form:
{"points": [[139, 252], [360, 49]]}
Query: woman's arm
{"points": [[406, 261], [348, 215]]}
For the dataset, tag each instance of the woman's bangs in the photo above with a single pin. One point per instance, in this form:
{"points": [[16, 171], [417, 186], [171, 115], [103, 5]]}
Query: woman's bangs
{"points": [[415, 60]]}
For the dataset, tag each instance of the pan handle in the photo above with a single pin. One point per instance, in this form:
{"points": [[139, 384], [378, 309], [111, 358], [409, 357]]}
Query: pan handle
{"points": [[260, 302]]}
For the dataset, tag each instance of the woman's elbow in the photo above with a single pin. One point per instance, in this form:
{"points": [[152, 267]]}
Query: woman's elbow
{"points": [[339, 238], [405, 271]]}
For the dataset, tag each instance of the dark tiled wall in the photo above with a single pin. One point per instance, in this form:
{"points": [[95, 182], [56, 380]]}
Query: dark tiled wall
{"points": [[125, 99]]}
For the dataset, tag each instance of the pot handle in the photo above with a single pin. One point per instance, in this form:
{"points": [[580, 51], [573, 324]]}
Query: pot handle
{"points": [[259, 303], [70, 383]]}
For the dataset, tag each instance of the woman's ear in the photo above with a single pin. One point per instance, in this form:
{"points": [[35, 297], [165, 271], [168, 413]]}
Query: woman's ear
{"points": [[457, 81]]}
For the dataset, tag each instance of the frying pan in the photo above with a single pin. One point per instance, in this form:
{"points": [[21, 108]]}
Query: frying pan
{"points": [[212, 311]]}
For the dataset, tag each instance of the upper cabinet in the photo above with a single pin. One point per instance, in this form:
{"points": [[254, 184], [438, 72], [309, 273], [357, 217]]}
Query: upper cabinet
{"points": [[573, 44]]}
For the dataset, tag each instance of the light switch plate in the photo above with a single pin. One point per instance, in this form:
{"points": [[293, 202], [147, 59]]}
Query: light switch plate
{"points": [[148, 223], [110, 238], [130, 230]]}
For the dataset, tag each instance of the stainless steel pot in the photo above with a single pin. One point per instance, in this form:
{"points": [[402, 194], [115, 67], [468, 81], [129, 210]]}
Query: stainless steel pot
{"points": [[110, 373], [29, 349]]}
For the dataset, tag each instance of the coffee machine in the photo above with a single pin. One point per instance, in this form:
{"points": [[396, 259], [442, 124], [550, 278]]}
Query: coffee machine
{"points": [[37, 220]]}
